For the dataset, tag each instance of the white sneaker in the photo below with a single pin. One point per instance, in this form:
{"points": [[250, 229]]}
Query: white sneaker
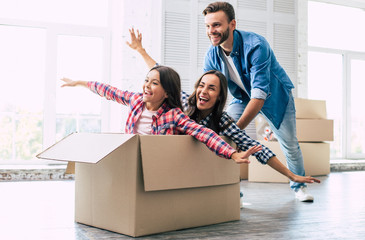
{"points": [[302, 195]]}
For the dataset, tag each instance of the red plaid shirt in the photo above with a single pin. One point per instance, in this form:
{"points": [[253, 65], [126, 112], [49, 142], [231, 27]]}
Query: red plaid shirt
{"points": [[166, 121]]}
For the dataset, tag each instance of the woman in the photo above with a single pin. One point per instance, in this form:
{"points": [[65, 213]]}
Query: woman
{"points": [[206, 106], [157, 110]]}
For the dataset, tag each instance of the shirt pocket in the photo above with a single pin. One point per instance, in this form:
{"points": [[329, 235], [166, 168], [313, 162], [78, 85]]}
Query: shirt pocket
{"points": [[166, 129]]}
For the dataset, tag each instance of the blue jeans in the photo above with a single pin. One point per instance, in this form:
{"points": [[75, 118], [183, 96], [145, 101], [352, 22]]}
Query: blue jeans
{"points": [[286, 135]]}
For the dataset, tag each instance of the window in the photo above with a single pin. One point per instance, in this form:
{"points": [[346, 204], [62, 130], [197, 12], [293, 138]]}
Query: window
{"points": [[22, 79], [77, 109], [325, 83], [40, 45], [94, 13], [336, 66]]}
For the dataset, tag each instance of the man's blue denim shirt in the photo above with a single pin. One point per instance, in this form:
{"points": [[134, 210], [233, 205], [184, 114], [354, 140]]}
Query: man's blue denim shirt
{"points": [[260, 72]]}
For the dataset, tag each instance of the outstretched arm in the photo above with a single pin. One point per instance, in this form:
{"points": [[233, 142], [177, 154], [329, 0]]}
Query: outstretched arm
{"points": [[136, 44], [71, 83], [278, 166]]}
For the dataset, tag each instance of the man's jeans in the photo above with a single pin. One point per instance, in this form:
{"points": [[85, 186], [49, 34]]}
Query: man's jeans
{"points": [[286, 135]]}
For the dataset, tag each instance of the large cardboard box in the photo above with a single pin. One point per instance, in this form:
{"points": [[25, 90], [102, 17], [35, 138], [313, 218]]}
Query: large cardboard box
{"points": [[316, 162], [244, 171], [314, 130], [139, 185], [308, 108], [257, 172], [316, 158]]}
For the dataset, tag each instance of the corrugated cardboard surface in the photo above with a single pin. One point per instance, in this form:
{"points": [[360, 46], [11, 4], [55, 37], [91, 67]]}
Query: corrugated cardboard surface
{"points": [[70, 169], [189, 163], [316, 158], [110, 194], [307, 108], [257, 172], [106, 192], [314, 130], [316, 162], [84, 147], [244, 171]]}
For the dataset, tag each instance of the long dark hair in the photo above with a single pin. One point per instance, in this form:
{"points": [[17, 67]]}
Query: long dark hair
{"points": [[170, 81], [193, 112]]}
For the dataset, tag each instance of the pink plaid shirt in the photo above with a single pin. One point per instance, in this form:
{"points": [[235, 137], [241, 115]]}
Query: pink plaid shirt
{"points": [[166, 121]]}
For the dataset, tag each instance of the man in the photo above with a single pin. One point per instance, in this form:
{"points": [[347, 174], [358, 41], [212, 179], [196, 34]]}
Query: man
{"points": [[257, 82]]}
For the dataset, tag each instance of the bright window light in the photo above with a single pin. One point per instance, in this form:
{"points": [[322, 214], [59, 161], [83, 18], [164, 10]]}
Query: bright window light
{"points": [[79, 12], [334, 26]]}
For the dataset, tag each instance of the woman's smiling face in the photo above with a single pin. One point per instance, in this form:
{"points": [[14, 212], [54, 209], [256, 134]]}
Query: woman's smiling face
{"points": [[207, 93], [153, 93]]}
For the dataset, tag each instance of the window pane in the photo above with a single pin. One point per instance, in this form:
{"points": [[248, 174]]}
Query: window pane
{"points": [[79, 58], [6, 137], [325, 83], [65, 126], [334, 26], [357, 106], [22, 78], [28, 137], [81, 12], [22, 71], [90, 125]]}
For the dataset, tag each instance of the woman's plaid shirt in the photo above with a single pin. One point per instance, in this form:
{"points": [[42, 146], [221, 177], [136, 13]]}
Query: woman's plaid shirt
{"points": [[166, 121], [233, 132]]}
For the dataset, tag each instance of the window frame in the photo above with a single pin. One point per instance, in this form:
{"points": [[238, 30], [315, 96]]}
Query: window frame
{"points": [[347, 56], [53, 30]]}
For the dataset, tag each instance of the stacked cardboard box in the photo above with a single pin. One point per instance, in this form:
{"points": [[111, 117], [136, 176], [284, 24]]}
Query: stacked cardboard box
{"points": [[313, 130], [139, 185]]}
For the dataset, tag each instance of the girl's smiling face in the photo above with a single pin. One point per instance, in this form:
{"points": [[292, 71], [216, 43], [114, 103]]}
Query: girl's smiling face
{"points": [[153, 93], [207, 93]]}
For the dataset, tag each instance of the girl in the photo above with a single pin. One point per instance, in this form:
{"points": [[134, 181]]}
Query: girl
{"points": [[206, 106], [157, 110]]}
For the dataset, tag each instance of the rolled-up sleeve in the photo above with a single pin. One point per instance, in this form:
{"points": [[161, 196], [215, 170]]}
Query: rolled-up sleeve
{"points": [[260, 60], [258, 93]]}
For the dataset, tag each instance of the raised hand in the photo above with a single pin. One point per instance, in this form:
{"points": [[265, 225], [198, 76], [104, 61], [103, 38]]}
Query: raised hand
{"points": [[242, 157], [136, 40]]}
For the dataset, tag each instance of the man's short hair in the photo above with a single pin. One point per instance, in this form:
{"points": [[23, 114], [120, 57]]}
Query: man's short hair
{"points": [[226, 7]]}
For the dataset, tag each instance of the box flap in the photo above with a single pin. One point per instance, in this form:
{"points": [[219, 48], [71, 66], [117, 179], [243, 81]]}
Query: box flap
{"points": [[85, 147], [175, 162]]}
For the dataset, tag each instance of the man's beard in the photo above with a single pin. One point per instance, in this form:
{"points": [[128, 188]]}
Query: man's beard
{"points": [[225, 36]]}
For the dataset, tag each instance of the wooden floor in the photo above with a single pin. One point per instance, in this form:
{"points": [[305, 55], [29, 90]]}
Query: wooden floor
{"points": [[44, 210]]}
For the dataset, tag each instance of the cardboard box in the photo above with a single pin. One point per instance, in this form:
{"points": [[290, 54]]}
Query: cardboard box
{"points": [[316, 162], [244, 171], [307, 108], [139, 185], [316, 158], [257, 172], [70, 169], [314, 130]]}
